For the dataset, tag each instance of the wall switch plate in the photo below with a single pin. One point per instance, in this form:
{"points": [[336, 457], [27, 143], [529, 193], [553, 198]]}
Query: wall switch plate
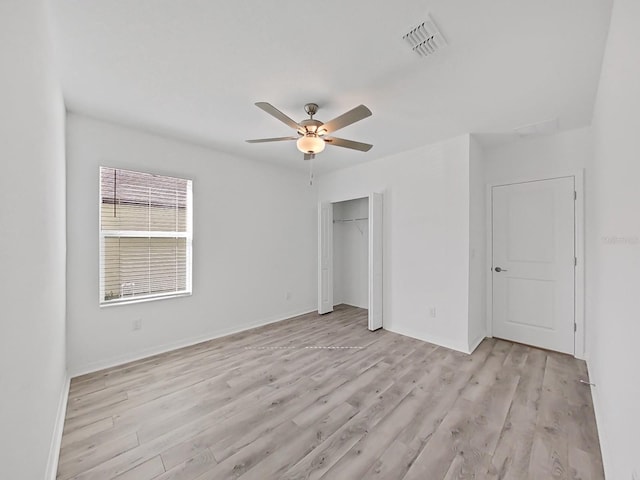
{"points": [[137, 324], [432, 312], [288, 296]]}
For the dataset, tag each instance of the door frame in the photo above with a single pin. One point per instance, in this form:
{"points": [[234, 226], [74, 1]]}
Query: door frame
{"points": [[325, 250], [373, 282], [578, 236]]}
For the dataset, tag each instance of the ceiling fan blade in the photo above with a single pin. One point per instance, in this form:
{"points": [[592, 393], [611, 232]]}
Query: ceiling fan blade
{"points": [[271, 110], [275, 139], [341, 142], [352, 116]]}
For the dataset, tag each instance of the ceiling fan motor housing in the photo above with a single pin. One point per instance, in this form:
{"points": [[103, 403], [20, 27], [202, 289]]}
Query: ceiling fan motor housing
{"points": [[310, 126]]}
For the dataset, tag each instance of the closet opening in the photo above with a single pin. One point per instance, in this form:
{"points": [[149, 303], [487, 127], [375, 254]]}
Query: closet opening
{"points": [[351, 253], [350, 256]]}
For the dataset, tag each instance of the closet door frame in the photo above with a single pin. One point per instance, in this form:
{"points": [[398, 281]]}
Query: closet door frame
{"points": [[325, 258], [375, 257]]}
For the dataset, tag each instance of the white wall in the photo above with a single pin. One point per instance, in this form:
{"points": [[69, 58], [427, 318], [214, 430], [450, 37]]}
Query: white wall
{"points": [[477, 245], [32, 244], [426, 236], [351, 253], [539, 157], [613, 247], [254, 242]]}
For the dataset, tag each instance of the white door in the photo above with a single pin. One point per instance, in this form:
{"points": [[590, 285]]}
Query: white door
{"points": [[375, 261], [534, 263], [325, 258]]}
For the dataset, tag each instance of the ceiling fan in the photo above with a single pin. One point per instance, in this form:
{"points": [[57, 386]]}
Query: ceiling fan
{"points": [[312, 138]]}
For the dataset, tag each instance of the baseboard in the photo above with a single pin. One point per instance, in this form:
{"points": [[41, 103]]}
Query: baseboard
{"points": [[366, 307], [168, 347], [429, 338], [600, 423], [473, 345], [56, 438]]}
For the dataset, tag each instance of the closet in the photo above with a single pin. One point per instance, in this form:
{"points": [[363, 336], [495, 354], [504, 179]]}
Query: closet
{"points": [[350, 255]]}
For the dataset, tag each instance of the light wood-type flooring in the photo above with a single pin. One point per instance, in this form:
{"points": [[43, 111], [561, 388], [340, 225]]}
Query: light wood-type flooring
{"points": [[274, 403]]}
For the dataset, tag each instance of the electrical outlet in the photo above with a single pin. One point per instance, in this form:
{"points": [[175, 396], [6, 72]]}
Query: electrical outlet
{"points": [[288, 296], [137, 324], [432, 312]]}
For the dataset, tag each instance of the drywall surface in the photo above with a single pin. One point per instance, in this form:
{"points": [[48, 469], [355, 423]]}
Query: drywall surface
{"points": [[32, 244], [351, 253], [426, 236], [539, 157], [477, 245], [613, 247], [254, 246]]}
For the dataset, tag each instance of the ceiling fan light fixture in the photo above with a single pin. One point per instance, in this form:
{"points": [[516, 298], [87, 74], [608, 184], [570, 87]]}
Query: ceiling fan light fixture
{"points": [[310, 144]]}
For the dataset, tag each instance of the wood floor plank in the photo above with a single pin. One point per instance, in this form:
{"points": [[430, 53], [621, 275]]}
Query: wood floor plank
{"points": [[260, 424], [322, 397], [274, 465], [581, 465], [469, 431], [91, 455], [318, 462], [256, 452], [356, 462], [512, 455], [192, 468], [83, 434], [145, 471]]}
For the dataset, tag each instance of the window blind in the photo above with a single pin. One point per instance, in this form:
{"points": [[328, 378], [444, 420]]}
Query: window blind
{"points": [[145, 235]]}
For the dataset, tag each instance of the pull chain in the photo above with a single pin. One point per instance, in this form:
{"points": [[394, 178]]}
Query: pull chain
{"points": [[311, 172]]}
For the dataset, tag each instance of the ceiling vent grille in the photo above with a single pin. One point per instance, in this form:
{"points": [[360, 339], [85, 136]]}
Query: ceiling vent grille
{"points": [[425, 39]]}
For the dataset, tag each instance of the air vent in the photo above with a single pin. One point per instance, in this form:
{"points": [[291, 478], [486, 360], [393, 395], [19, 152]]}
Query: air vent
{"points": [[425, 39]]}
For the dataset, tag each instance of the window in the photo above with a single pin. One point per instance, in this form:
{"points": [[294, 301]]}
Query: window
{"points": [[145, 236]]}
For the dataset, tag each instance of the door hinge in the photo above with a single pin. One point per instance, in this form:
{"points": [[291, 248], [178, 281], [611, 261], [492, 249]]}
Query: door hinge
{"points": [[575, 261], [575, 327], [575, 195]]}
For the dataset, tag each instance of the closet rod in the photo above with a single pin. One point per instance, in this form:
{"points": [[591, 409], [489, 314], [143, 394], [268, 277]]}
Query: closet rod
{"points": [[350, 220]]}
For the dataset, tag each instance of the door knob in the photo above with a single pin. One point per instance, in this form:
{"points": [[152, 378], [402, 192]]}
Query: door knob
{"points": [[498, 269]]}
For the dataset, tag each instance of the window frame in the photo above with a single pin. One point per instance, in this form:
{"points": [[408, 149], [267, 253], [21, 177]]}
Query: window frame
{"points": [[103, 234]]}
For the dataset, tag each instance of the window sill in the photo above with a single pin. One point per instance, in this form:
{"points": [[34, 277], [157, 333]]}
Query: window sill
{"points": [[151, 298]]}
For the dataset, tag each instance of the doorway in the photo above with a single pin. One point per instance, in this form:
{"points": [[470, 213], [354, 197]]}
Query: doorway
{"points": [[350, 255], [533, 248]]}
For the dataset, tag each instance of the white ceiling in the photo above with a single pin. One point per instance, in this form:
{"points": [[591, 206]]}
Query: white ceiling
{"points": [[194, 68]]}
